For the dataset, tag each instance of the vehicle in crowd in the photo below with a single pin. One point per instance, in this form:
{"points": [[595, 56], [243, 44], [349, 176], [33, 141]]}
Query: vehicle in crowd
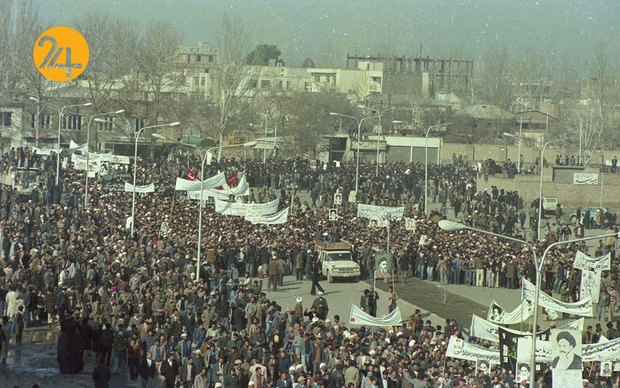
{"points": [[593, 210], [337, 261], [549, 204]]}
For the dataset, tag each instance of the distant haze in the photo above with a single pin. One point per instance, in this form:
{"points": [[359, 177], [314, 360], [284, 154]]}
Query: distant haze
{"points": [[327, 30]]}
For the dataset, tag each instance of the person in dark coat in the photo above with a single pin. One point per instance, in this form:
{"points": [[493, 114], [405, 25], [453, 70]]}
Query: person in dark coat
{"points": [[148, 370], [170, 371], [101, 375]]}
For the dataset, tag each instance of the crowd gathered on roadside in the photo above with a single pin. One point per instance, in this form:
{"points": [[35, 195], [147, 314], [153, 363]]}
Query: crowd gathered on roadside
{"points": [[136, 303]]}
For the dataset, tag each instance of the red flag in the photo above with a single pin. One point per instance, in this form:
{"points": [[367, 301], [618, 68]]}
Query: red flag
{"points": [[191, 176], [230, 181]]}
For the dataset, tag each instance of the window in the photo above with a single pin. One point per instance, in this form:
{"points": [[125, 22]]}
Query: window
{"points": [[198, 58], [195, 81], [265, 84], [253, 83], [5, 118], [71, 122], [45, 121], [210, 58], [202, 81], [136, 123], [107, 126], [280, 84]]}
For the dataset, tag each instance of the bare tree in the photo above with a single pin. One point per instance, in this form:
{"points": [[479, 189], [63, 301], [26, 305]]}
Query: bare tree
{"points": [[233, 80], [495, 85]]}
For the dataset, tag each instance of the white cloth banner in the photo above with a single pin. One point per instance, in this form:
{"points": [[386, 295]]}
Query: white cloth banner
{"points": [[544, 352], [518, 315], [150, 188], [280, 217], [601, 351], [358, 317], [210, 183], [73, 146], [40, 151], [484, 329], [585, 178], [590, 285], [583, 261], [246, 209], [380, 212], [582, 307], [242, 189], [463, 350]]}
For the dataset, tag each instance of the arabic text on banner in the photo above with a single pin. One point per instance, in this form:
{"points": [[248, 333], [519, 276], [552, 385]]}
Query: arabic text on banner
{"points": [[484, 329], [150, 188], [280, 217], [243, 209], [463, 350], [583, 261], [358, 317], [585, 178], [582, 308], [380, 212]]}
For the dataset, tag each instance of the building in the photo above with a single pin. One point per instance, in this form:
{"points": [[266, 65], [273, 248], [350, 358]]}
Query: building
{"points": [[533, 125]]}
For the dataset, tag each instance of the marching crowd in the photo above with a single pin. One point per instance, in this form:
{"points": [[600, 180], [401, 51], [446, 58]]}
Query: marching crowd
{"points": [[135, 302]]}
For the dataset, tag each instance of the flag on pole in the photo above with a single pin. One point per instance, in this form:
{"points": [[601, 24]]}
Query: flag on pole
{"points": [[191, 176]]}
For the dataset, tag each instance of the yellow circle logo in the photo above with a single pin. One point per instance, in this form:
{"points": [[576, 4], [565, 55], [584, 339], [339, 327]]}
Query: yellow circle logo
{"points": [[61, 54]]}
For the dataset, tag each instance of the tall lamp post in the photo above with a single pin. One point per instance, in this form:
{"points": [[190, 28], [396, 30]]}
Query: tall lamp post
{"points": [[135, 165], [60, 111], [455, 226], [540, 187], [359, 128], [203, 157], [97, 118], [426, 133], [378, 113]]}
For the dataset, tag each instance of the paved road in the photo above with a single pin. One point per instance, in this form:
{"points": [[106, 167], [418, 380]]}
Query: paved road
{"points": [[340, 296]]}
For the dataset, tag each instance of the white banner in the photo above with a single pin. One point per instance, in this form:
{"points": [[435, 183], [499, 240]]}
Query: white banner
{"points": [[47, 152], [128, 222], [583, 261], [380, 212], [242, 189], [280, 217], [484, 329], [544, 353], [602, 351], [499, 315], [360, 318], [73, 146], [590, 285], [210, 183], [150, 188], [585, 178], [463, 350], [244, 209], [582, 308]]}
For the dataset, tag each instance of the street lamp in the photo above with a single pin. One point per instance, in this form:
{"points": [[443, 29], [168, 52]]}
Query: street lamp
{"points": [[359, 128], [60, 111], [97, 118], [428, 130], [452, 226], [379, 113], [135, 164], [202, 176], [540, 163]]}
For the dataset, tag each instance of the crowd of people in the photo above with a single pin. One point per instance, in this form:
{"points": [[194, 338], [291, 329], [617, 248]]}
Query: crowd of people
{"points": [[135, 301]]}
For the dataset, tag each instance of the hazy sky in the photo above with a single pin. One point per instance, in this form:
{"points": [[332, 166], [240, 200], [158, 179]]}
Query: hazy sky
{"points": [[328, 30]]}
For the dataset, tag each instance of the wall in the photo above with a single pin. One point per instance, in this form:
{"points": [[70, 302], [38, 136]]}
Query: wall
{"points": [[497, 151], [569, 195]]}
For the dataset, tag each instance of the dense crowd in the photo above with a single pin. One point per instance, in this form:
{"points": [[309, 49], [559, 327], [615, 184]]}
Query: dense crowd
{"points": [[134, 300]]}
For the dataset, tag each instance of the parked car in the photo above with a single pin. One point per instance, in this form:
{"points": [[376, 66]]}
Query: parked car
{"points": [[593, 210], [549, 204]]}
